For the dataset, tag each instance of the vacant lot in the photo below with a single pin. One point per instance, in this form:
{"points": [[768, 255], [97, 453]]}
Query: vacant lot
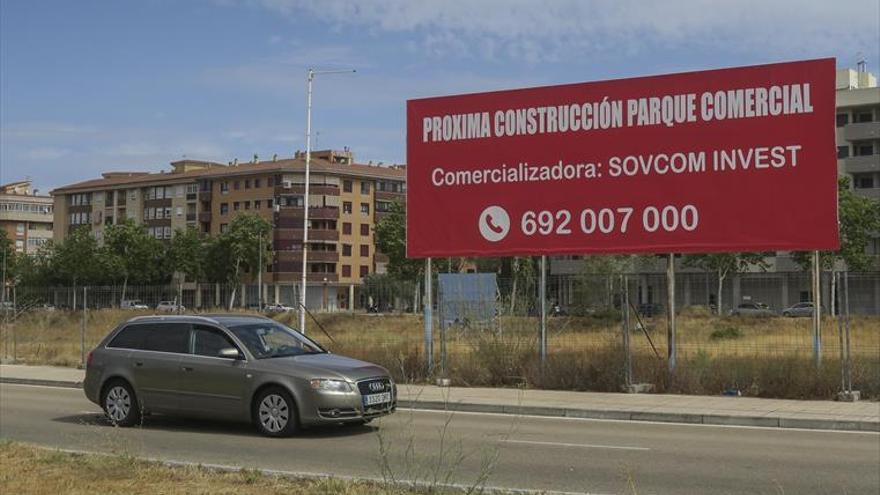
{"points": [[769, 357], [27, 469]]}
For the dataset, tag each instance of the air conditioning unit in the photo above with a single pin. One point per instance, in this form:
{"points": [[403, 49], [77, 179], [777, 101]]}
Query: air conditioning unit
{"points": [[277, 208], [287, 184]]}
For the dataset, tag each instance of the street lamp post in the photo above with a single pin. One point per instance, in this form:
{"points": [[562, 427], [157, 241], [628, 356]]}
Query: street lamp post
{"points": [[302, 293]]}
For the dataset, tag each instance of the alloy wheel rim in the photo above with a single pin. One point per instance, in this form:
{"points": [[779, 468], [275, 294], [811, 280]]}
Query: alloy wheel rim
{"points": [[274, 413], [118, 403]]}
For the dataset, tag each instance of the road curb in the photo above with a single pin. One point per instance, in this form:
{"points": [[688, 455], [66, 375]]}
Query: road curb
{"points": [[678, 418], [561, 412]]}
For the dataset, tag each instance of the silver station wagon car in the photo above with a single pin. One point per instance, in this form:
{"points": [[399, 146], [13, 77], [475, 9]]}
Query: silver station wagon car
{"points": [[236, 367]]}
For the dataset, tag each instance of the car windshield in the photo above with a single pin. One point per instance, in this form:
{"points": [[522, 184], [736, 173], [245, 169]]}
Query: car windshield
{"points": [[271, 339]]}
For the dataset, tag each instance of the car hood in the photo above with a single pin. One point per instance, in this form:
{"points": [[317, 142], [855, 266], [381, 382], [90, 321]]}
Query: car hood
{"points": [[325, 366]]}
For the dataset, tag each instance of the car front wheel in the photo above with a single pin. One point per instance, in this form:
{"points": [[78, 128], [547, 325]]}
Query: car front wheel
{"points": [[274, 413]]}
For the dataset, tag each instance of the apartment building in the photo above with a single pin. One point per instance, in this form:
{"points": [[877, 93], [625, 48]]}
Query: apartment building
{"points": [[26, 216], [858, 131], [345, 202]]}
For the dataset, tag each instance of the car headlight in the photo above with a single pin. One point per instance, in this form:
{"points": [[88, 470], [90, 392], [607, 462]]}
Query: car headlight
{"points": [[325, 385]]}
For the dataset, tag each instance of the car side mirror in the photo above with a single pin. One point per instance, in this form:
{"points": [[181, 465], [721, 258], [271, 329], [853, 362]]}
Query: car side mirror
{"points": [[230, 353]]}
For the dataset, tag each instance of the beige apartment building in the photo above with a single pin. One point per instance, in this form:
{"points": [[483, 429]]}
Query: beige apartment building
{"points": [[26, 216], [345, 202]]}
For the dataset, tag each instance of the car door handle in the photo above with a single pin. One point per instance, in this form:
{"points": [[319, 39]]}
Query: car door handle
{"points": [[186, 368], [138, 364]]}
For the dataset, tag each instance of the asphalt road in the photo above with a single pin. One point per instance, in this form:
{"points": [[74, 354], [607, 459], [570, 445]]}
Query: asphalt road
{"points": [[534, 453]]}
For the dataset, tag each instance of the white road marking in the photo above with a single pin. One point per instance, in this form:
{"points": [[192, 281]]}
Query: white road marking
{"points": [[580, 445]]}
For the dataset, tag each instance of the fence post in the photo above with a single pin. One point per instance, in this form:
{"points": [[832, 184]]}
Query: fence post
{"points": [[627, 357], [82, 330], [670, 311], [542, 293], [817, 312], [429, 319]]}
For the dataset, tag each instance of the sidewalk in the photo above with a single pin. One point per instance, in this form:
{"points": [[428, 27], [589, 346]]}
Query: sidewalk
{"points": [[743, 411]]}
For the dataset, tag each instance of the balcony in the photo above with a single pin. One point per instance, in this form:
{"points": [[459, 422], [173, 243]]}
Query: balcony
{"points": [[205, 216], [205, 196], [311, 277], [190, 217], [390, 196], [861, 131], [283, 234], [291, 216], [873, 193], [314, 189], [314, 256], [157, 202], [859, 164]]}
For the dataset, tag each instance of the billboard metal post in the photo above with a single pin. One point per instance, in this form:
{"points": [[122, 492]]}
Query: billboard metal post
{"points": [[542, 293], [429, 319], [82, 331], [846, 343], [817, 311], [836, 277], [627, 357], [670, 311]]}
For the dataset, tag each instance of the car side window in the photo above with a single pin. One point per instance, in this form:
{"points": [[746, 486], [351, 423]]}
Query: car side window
{"points": [[209, 341], [167, 337], [130, 337]]}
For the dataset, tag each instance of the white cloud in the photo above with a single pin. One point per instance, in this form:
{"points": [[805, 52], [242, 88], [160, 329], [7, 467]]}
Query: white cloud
{"points": [[45, 153], [531, 30]]}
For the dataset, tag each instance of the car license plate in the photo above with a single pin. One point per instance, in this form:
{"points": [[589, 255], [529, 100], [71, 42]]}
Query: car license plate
{"points": [[371, 400]]}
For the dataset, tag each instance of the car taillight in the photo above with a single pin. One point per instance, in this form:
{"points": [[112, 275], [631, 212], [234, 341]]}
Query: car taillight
{"points": [[89, 359]]}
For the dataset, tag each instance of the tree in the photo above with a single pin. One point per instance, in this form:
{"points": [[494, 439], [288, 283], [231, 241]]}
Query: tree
{"points": [[7, 258], [859, 220], [77, 259], [185, 253], [391, 241], [723, 264], [238, 250], [132, 253]]}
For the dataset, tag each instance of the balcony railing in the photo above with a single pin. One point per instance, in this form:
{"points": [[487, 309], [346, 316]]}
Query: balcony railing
{"points": [[314, 189], [314, 256], [390, 196], [282, 234], [859, 164], [205, 196], [289, 215], [861, 131], [205, 216], [311, 277]]}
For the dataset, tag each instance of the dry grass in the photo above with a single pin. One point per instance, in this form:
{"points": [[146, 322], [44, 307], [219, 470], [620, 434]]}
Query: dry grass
{"points": [[27, 470], [770, 357]]}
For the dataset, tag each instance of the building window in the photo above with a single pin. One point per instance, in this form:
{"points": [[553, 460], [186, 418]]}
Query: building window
{"points": [[257, 183], [269, 204], [236, 206], [346, 270], [365, 209], [842, 151], [346, 207], [192, 188], [236, 185], [224, 208], [863, 149], [346, 249], [365, 229], [842, 119], [346, 186], [863, 116], [863, 181], [224, 227], [269, 182], [365, 270], [365, 251], [365, 187], [257, 204], [19, 228], [383, 206], [247, 183], [247, 205], [224, 187], [346, 228]]}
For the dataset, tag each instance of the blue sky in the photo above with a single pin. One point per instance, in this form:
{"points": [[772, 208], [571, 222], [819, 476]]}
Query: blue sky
{"points": [[92, 86]]}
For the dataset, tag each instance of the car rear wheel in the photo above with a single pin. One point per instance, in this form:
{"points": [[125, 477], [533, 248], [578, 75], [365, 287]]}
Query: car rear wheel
{"points": [[120, 404], [274, 413]]}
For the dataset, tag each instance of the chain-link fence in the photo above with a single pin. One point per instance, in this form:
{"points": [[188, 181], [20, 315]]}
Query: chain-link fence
{"points": [[602, 331]]}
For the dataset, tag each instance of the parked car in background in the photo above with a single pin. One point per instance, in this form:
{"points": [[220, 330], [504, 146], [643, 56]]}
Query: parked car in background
{"points": [[650, 309], [278, 308], [803, 309], [132, 304], [169, 307], [752, 309], [234, 367]]}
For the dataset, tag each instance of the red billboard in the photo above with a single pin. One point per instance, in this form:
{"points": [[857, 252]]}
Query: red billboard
{"points": [[739, 159]]}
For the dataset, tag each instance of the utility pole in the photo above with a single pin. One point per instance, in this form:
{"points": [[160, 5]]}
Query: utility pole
{"points": [[429, 318], [302, 302], [817, 312], [542, 292]]}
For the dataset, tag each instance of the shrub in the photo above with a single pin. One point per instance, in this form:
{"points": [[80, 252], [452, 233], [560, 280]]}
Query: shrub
{"points": [[726, 333]]}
